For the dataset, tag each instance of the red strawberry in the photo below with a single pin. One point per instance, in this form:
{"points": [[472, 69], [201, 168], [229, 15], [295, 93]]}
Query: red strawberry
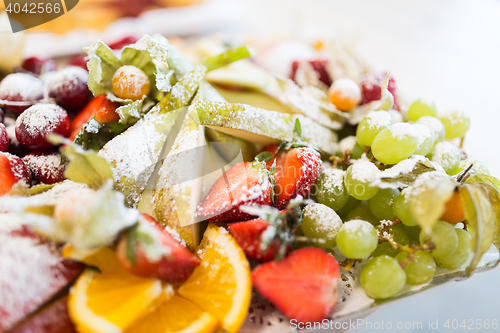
{"points": [[245, 183], [149, 250], [296, 172], [4, 138], [319, 66], [303, 285], [100, 107], [248, 235], [371, 87], [12, 170]]}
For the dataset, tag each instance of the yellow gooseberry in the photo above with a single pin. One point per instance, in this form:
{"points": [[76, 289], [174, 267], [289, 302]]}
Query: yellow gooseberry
{"points": [[454, 211], [130, 82], [344, 94]]}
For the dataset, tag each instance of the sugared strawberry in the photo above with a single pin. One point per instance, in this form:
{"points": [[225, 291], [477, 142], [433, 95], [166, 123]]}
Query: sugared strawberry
{"points": [[4, 138], [46, 167], [303, 285], [69, 87], [149, 250], [100, 107], [371, 87], [38, 65], [248, 234], [20, 87], [12, 170], [246, 183], [319, 66], [37, 122], [296, 172]]}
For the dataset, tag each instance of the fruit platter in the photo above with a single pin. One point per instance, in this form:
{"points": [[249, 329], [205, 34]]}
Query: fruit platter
{"points": [[165, 185]]}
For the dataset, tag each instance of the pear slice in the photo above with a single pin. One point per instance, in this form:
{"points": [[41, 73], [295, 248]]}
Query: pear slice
{"points": [[261, 126], [253, 98], [134, 153]]}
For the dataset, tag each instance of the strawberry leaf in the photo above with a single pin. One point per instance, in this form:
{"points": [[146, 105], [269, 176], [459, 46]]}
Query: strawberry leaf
{"points": [[297, 129]]}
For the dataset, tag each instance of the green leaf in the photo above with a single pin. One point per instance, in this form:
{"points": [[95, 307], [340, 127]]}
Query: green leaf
{"points": [[404, 173], [86, 166], [23, 189], [480, 216], [264, 156], [226, 58], [484, 179], [428, 196], [494, 196], [297, 129], [102, 66], [175, 59], [130, 113], [94, 136]]}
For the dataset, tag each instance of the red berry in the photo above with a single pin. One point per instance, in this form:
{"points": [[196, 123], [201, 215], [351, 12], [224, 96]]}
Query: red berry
{"points": [[4, 138], [167, 258], [319, 66], [78, 61], [46, 167], [122, 42], [1, 116], [69, 87], [39, 65], [37, 122], [15, 148], [20, 87], [371, 87], [303, 285], [100, 107], [12, 170], [243, 184]]}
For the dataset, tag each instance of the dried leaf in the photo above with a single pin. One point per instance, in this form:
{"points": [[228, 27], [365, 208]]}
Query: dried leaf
{"points": [[404, 173], [484, 179]]}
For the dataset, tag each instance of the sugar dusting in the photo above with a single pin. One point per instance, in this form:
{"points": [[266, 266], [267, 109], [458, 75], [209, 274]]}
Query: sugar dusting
{"points": [[26, 86], [69, 77], [378, 119], [347, 88], [41, 119], [364, 171], [326, 219], [402, 131]]}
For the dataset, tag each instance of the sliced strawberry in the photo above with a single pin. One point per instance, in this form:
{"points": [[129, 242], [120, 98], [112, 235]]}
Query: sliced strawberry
{"points": [[296, 172], [303, 285], [319, 66], [245, 183], [248, 235], [12, 170], [151, 251], [100, 107]]}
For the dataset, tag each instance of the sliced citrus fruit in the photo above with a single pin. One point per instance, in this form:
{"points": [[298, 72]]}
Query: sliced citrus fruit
{"points": [[221, 284], [112, 300]]}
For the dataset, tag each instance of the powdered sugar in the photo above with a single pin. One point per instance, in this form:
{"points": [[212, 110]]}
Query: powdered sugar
{"points": [[435, 125], [358, 227], [364, 171], [378, 119], [347, 143], [70, 77], [333, 180], [454, 117], [402, 131], [41, 119], [46, 167], [347, 88], [445, 154], [326, 219], [20, 86], [423, 133]]}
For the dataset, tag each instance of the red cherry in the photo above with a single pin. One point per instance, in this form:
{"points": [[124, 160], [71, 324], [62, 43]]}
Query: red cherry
{"points": [[39, 65], [46, 167], [36, 123], [4, 138], [371, 87], [20, 87], [15, 148], [18, 168], [69, 87]]}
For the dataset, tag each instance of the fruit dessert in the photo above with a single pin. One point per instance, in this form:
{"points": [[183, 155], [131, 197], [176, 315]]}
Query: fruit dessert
{"points": [[165, 188]]}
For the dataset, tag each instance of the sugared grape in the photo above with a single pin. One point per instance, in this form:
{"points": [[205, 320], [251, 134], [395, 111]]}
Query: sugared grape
{"points": [[69, 87], [401, 208], [20, 87], [435, 125], [358, 178], [456, 123], [395, 143], [362, 212], [371, 125], [321, 222], [477, 166], [330, 189], [350, 143], [4, 138], [420, 109], [399, 236], [395, 116], [419, 270], [349, 206], [46, 167], [357, 239], [130, 82], [381, 204], [444, 238], [458, 257], [425, 140], [36, 123], [446, 155], [382, 277], [344, 94], [39, 65]]}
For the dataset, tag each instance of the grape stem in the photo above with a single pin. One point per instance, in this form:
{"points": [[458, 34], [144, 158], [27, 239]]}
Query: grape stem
{"points": [[465, 174], [349, 263], [344, 160], [368, 151]]}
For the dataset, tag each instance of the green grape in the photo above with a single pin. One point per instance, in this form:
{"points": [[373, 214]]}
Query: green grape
{"points": [[358, 178], [330, 189], [446, 155], [419, 109], [395, 143], [350, 143], [362, 212], [477, 166], [456, 123], [396, 116], [425, 140], [371, 125], [401, 208], [349, 206], [458, 257], [357, 239], [443, 236], [382, 277], [435, 125], [399, 235], [381, 204], [413, 234], [419, 270], [321, 222]]}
